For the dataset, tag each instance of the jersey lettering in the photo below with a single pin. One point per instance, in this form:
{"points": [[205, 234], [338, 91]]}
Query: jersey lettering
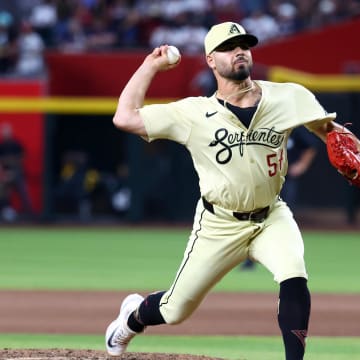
{"points": [[272, 162], [226, 141]]}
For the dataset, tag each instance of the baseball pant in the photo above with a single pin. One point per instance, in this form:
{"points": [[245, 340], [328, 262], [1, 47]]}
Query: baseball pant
{"points": [[218, 243]]}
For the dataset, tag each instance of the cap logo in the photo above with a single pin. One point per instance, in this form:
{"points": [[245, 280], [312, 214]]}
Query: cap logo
{"points": [[234, 29]]}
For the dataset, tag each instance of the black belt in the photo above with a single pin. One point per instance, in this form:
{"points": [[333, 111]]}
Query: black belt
{"points": [[257, 216]]}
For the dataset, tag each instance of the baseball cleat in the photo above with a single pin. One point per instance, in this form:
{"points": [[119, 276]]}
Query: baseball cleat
{"points": [[118, 333]]}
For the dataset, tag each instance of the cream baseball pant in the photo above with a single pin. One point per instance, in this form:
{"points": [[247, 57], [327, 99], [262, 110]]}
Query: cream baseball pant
{"points": [[220, 242]]}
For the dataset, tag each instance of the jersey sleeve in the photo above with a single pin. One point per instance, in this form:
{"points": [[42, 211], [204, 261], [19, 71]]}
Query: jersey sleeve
{"points": [[170, 121], [308, 109]]}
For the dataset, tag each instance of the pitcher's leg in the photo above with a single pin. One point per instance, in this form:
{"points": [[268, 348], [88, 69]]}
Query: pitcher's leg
{"points": [[209, 255], [148, 313], [216, 245], [280, 249], [293, 316]]}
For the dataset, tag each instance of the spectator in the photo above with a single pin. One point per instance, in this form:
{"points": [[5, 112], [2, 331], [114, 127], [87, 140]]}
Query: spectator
{"points": [[65, 11], [262, 25], [306, 13], [30, 52], [73, 38], [181, 31], [12, 174], [150, 19], [301, 153], [43, 19], [352, 204], [165, 33], [128, 30], [77, 183], [119, 189], [285, 15], [100, 36], [7, 42], [7, 212], [193, 34]]}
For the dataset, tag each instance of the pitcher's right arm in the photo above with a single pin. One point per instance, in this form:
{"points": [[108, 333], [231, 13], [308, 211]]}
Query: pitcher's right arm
{"points": [[127, 116]]}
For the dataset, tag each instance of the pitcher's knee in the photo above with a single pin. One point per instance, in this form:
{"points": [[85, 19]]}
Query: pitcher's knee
{"points": [[173, 314], [175, 317]]}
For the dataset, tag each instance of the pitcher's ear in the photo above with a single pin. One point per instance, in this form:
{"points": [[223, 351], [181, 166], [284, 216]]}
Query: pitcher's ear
{"points": [[210, 61]]}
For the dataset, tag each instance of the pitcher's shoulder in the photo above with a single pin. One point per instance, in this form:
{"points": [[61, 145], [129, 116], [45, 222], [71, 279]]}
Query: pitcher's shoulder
{"points": [[195, 102], [281, 87]]}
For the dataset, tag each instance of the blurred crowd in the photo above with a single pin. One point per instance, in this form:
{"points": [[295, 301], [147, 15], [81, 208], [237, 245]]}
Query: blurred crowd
{"points": [[28, 28]]}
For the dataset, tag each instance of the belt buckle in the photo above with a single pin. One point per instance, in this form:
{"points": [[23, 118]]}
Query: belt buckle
{"points": [[257, 216], [251, 218], [241, 216]]}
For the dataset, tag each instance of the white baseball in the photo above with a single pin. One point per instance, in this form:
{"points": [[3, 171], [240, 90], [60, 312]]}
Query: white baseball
{"points": [[173, 54]]}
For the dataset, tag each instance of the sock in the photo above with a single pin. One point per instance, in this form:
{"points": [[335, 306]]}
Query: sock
{"points": [[148, 313], [293, 316], [134, 324]]}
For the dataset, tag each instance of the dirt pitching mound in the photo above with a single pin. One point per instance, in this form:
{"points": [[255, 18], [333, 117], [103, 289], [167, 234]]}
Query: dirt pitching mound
{"points": [[66, 354]]}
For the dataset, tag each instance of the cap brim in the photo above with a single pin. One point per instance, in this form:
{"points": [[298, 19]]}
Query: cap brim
{"points": [[248, 39], [251, 40]]}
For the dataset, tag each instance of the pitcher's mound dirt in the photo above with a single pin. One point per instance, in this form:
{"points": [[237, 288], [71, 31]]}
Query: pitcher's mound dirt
{"points": [[64, 354]]}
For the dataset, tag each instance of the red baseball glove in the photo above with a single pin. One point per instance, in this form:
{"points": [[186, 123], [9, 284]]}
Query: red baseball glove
{"points": [[344, 155]]}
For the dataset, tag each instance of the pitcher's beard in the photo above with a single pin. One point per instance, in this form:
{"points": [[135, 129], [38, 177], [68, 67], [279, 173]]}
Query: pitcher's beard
{"points": [[241, 74]]}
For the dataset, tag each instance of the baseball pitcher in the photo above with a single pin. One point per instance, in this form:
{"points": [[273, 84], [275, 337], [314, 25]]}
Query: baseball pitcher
{"points": [[237, 139]]}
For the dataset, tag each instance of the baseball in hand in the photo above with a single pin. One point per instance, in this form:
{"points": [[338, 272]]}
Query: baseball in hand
{"points": [[173, 54]]}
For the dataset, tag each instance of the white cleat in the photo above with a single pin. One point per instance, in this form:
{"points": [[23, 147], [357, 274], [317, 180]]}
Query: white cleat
{"points": [[118, 334]]}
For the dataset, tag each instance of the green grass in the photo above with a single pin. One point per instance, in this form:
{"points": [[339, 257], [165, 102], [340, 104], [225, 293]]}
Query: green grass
{"points": [[229, 347], [147, 259], [332, 261]]}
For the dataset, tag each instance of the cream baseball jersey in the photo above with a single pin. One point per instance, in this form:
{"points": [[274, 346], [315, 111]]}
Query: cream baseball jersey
{"points": [[240, 168]]}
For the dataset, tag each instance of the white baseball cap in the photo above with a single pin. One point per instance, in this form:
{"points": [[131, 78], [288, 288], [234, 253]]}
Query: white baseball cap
{"points": [[225, 31]]}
